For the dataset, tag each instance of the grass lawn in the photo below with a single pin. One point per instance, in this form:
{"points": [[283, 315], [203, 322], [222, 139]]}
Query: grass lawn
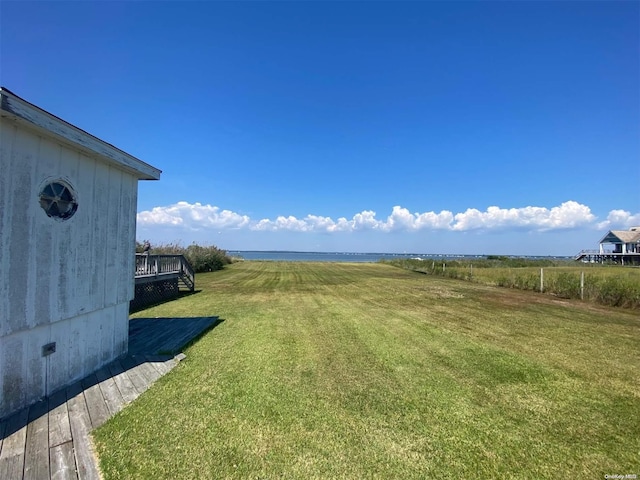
{"points": [[333, 370]]}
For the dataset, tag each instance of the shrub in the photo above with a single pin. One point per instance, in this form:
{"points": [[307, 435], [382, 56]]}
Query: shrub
{"points": [[617, 292], [565, 285], [206, 259], [525, 281], [201, 258]]}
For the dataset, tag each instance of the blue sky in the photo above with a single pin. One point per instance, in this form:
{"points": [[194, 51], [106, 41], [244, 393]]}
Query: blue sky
{"points": [[429, 127]]}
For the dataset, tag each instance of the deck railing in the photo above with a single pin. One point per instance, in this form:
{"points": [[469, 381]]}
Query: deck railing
{"points": [[596, 256], [159, 265]]}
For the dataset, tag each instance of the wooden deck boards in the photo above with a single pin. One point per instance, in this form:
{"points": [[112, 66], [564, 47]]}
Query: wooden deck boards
{"points": [[172, 334], [51, 438]]}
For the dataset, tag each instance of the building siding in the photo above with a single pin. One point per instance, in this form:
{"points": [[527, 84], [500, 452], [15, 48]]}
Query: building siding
{"points": [[83, 344], [68, 282]]}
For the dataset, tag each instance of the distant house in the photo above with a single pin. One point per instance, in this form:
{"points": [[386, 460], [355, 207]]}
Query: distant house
{"points": [[618, 246], [623, 241], [68, 205]]}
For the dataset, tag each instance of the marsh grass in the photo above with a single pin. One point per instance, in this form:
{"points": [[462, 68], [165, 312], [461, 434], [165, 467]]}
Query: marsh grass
{"points": [[357, 371], [613, 286]]}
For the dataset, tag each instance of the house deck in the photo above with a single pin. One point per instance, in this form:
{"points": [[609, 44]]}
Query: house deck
{"points": [[595, 256], [161, 277], [51, 439]]}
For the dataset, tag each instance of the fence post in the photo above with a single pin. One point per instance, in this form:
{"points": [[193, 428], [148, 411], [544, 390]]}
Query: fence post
{"points": [[443, 269], [470, 271], [582, 285], [541, 280]]}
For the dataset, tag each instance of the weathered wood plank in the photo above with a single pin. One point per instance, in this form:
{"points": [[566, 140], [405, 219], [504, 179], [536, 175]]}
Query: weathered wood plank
{"points": [[152, 336], [52, 438], [148, 371], [59, 428], [184, 330], [148, 336], [36, 465], [62, 462], [142, 343], [13, 446], [160, 363], [80, 427], [96, 405], [123, 382], [3, 424], [174, 336], [136, 376], [197, 328], [112, 396]]}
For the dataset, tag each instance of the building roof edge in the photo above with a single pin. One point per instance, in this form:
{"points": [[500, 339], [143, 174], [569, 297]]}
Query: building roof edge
{"points": [[23, 111]]}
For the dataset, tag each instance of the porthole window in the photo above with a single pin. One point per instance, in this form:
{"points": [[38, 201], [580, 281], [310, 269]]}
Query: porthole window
{"points": [[58, 200]]}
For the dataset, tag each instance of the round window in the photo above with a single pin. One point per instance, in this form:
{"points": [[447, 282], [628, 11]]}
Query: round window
{"points": [[58, 200]]}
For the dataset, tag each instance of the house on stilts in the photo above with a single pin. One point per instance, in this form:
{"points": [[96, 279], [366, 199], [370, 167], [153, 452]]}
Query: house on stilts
{"points": [[617, 246]]}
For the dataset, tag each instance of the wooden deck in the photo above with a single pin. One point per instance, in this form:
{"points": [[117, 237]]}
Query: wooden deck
{"points": [[159, 278], [51, 439], [151, 268]]}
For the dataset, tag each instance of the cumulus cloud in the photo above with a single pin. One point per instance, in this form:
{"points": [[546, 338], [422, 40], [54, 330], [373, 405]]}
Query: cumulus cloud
{"points": [[620, 219], [192, 216], [399, 220], [568, 215], [312, 223]]}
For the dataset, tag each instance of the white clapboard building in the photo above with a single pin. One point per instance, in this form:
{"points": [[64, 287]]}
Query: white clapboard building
{"points": [[67, 239]]}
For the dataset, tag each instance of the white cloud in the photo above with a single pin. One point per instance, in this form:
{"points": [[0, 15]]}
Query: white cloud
{"points": [[290, 223], [619, 219], [365, 220], [400, 219], [403, 220], [568, 215], [192, 216], [312, 223], [159, 216], [436, 221]]}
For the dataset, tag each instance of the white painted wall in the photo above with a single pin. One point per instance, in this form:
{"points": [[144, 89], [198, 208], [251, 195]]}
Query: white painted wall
{"points": [[67, 282], [83, 344]]}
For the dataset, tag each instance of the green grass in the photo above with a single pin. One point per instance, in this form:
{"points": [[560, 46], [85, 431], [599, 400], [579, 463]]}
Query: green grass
{"points": [[333, 370]]}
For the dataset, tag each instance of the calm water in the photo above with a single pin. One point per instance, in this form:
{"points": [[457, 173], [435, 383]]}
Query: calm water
{"points": [[335, 256]]}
